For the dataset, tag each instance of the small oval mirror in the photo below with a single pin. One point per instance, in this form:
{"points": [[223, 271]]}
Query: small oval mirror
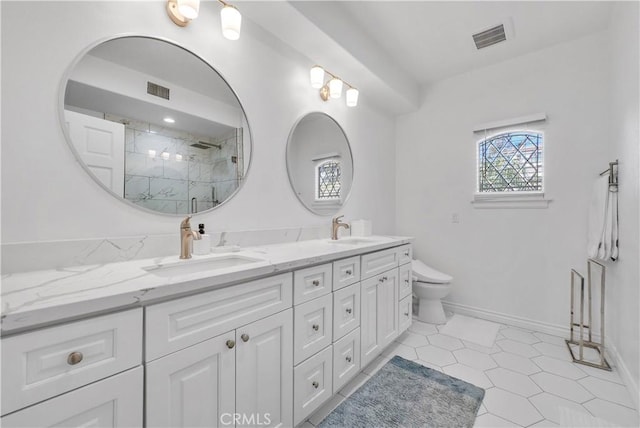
{"points": [[156, 125], [319, 163]]}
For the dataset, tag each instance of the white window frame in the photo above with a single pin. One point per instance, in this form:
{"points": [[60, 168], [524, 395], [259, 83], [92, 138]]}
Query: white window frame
{"points": [[511, 200], [316, 171]]}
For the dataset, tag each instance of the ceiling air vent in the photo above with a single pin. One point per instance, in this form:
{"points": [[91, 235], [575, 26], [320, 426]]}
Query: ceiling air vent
{"points": [[490, 37], [157, 90]]}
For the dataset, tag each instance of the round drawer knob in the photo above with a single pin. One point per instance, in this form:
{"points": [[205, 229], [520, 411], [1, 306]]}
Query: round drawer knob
{"points": [[74, 358], [348, 359], [406, 280], [348, 272], [316, 327], [349, 310], [406, 314], [231, 343], [406, 254], [316, 282], [315, 384], [244, 337]]}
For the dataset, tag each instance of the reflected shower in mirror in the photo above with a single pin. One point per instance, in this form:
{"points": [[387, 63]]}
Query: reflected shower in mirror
{"points": [[156, 125], [319, 163]]}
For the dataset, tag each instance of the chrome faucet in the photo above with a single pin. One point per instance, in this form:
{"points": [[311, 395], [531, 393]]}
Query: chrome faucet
{"points": [[335, 225], [186, 237]]}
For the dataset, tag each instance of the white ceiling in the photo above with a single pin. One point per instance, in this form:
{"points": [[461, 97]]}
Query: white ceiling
{"points": [[391, 50]]}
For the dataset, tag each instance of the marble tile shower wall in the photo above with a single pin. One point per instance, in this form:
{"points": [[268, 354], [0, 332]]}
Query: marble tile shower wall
{"points": [[169, 184]]}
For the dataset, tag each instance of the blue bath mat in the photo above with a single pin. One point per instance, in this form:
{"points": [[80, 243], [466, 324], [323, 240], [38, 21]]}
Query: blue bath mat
{"points": [[405, 394]]}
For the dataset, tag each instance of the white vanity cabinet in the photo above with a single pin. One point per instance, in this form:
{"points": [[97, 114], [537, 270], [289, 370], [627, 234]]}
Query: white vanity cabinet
{"points": [[90, 358], [405, 288], [245, 372], [379, 314], [110, 403], [234, 357]]}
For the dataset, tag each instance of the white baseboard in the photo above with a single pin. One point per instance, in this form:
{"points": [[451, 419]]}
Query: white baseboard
{"points": [[554, 329]]}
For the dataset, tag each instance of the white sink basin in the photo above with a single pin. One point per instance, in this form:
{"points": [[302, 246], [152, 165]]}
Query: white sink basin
{"points": [[355, 241], [185, 267]]}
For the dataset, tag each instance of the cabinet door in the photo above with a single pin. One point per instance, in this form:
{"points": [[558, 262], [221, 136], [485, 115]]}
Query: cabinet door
{"points": [[369, 346], [113, 402], [387, 307], [264, 371], [194, 387]]}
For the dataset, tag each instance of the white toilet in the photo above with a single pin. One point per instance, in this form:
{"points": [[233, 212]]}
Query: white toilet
{"points": [[430, 286]]}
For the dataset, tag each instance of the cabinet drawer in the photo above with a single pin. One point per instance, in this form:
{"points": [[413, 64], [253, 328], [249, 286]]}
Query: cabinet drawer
{"points": [[312, 327], [405, 254], [346, 359], [405, 282], [346, 310], [176, 324], [346, 272], [311, 283], [112, 402], [378, 262], [404, 314], [44, 363], [312, 384]]}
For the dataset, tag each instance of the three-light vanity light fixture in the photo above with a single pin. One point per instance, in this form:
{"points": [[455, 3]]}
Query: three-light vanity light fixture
{"points": [[332, 88], [182, 12]]}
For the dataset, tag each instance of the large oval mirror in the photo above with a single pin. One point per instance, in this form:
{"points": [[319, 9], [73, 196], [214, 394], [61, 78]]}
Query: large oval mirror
{"points": [[156, 125], [319, 163]]}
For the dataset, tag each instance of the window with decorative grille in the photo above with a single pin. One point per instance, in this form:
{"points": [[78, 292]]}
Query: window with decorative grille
{"points": [[511, 162], [328, 180]]}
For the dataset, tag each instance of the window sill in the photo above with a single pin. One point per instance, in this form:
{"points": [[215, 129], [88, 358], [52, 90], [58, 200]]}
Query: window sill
{"points": [[510, 201]]}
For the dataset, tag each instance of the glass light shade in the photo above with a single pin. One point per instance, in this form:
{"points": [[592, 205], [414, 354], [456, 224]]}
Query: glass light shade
{"points": [[189, 8], [352, 97], [231, 22], [152, 153], [335, 88], [165, 155], [317, 77]]}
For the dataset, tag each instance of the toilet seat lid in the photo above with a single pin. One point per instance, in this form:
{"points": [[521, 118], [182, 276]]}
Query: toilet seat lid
{"points": [[428, 274]]}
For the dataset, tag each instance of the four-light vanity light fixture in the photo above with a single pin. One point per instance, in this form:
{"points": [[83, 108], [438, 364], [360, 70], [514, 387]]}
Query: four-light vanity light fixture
{"points": [[182, 12], [332, 88]]}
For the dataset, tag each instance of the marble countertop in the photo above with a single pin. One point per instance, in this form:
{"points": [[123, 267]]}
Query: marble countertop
{"points": [[34, 299]]}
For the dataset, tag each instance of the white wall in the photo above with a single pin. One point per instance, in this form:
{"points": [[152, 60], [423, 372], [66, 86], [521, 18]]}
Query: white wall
{"points": [[46, 195], [624, 289], [507, 261]]}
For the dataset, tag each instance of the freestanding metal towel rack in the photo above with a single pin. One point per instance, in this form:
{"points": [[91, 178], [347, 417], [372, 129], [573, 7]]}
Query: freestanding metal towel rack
{"points": [[581, 342]]}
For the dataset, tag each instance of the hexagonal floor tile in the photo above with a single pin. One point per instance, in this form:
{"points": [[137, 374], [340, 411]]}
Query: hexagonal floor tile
{"points": [[433, 354], [475, 359], [519, 335], [422, 328], [491, 421], [619, 415], [559, 367], [404, 351], [446, 342], [412, 339], [468, 374], [562, 387], [513, 382], [481, 348], [511, 407], [516, 363], [555, 340], [608, 390], [551, 406], [518, 348], [555, 351]]}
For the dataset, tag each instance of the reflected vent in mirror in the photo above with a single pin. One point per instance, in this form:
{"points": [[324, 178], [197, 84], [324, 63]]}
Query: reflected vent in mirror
{"points": [[490, 37], [205, 145], [157, 90]]}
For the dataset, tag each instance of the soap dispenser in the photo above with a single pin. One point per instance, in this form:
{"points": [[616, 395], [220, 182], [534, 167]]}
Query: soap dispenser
{"points": [[202, 246]]}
